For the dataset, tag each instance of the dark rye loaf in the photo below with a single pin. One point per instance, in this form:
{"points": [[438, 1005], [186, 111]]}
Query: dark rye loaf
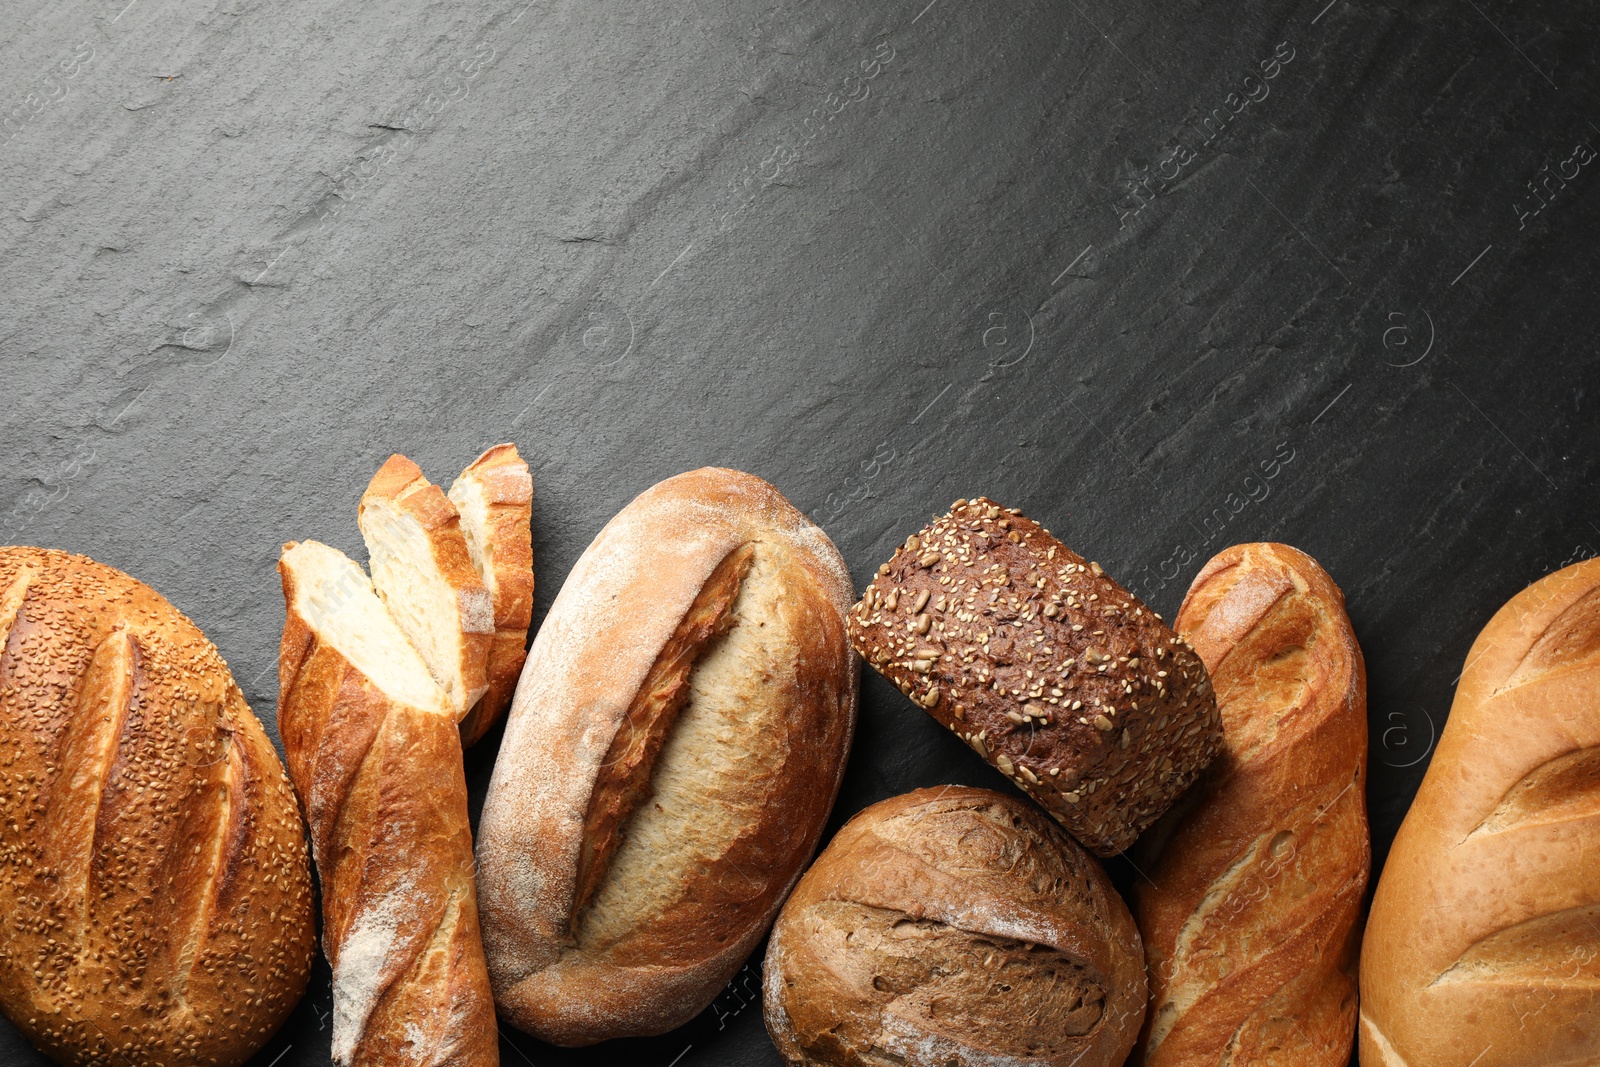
{"points": [[1051, 671]]}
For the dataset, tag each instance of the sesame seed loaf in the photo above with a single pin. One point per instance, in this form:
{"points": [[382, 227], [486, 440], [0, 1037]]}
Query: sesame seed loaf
{"points": [[153, 872], [669, 760], [1051, 671], [954, 926]]}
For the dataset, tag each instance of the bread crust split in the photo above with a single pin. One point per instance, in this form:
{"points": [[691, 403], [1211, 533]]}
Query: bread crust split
{"points": [[954, 925], [1251, 903], [494, 496], [1052, 672], [1483, 943], [424, 572], [375, 756], [689, 742], [153, 870]]}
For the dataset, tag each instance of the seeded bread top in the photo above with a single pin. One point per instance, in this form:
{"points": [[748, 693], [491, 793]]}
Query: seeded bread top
{"points": [[1055, 673]]}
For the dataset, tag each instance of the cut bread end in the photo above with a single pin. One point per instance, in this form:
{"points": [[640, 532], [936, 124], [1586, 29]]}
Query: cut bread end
{"points": [[424, 573], [338, 603], [494, 498]]}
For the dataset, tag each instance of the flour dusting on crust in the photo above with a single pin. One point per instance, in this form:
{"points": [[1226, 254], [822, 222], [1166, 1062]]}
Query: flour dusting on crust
{"points": [[358, 976]]}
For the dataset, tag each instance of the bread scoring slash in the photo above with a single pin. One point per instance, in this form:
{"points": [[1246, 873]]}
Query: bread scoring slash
{"points": [[1048, 669]]}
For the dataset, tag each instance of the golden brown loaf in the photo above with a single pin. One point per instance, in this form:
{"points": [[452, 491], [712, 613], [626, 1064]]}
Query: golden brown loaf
{"points": [[1483, 946], [376, 758], [954, 926], [1254, 882], [495, 498], [1050, 670], [153, 873], [424, 572], [669, 761]]}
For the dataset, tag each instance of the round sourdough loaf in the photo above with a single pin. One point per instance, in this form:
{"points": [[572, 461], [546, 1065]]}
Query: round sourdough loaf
{"points": [[672, 752], [153, 870], [954, 926]]}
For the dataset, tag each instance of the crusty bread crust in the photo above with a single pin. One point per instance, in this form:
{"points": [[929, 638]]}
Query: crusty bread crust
{"points": [[742, 786], [1051, 671], [385, 795], [153, 870], [502, 549], [954, 925], [1483, 945], [1254, 889], [399, 491]]}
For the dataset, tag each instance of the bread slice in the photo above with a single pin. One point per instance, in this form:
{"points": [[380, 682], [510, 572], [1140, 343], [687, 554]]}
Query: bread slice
{"points": [[494, 496], [424, 573]]}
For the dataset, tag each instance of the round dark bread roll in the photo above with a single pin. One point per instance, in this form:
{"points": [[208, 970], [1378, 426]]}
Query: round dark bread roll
{"points": [[153, 868], [954, 926]]}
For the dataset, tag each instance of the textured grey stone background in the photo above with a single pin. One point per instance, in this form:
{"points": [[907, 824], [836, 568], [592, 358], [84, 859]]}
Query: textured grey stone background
{"points": [[1166, 276]]}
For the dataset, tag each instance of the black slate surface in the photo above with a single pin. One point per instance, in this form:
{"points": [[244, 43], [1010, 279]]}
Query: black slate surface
{"points": [[1166, 276]]}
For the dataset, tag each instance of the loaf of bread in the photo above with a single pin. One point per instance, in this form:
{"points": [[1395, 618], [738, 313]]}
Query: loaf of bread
{"points": [[494, 496], [954, 926], [669, 760], [153, 875], [1050, 670], [1252, 885], [423, 570], [1483, 946], [375, 755]]}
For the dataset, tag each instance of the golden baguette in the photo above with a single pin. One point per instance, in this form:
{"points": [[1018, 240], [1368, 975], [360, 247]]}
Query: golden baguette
{"points": [[376, 757], [1251, 905]]}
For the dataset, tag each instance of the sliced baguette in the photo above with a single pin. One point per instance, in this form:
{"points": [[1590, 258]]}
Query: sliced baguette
{"points": [[494, 496], [374, 754], [424, 572]]}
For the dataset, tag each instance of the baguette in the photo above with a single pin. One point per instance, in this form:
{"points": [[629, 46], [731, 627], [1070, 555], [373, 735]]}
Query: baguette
{"points": [[423, 570], [1254, 884], [153, 872], [669, 760], [954, 926], [1483, 945], [494, 496], [376, 758], [1048, 669]]}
